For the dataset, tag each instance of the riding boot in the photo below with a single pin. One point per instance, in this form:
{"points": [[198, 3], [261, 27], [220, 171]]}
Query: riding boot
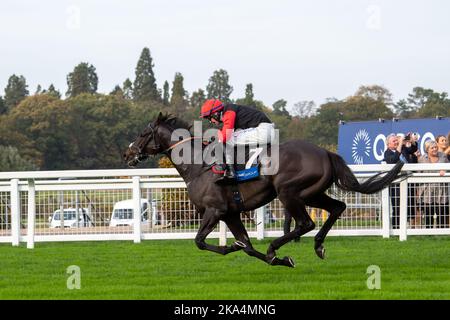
{"points": [[229, 176], [230, 173]]}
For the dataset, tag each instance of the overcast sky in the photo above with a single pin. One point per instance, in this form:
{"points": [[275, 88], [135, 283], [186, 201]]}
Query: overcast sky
{"points": [[295, 50]]}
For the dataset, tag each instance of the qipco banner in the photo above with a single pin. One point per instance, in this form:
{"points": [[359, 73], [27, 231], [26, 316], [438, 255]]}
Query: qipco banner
{"points": [[365, 142]]}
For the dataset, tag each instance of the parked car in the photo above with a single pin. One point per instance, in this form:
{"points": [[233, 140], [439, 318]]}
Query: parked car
{"points": [[122, 214], [70, 218]]}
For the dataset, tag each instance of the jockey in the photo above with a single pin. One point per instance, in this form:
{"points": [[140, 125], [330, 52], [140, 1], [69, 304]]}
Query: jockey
{"points": [[242, 125]]}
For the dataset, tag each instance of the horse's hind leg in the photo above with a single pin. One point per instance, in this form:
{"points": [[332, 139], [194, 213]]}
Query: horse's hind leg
{"points": [[210, 219], [335, 208], [287, 224], [303, 223], [236, 227]]}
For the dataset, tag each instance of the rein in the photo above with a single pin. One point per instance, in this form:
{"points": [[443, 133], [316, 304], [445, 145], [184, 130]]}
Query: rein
{"points": [[180, 142]]}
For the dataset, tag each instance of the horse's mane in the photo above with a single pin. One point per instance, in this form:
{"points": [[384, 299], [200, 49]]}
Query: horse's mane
{"points": [[174, 122]]}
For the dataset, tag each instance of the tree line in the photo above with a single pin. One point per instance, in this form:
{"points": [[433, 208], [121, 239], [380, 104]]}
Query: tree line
{"points": [[90, 130]]}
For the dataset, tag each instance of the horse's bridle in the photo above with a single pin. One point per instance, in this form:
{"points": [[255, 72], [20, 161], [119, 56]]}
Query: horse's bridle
{"points": [[139, 147], [156, 148]]}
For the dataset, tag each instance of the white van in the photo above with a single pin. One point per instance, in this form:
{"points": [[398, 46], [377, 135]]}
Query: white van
{"points": [[122, 214], [70, 218]]}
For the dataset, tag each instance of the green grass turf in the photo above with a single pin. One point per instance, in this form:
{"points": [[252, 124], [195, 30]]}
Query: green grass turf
{"points": [[175, 269]]}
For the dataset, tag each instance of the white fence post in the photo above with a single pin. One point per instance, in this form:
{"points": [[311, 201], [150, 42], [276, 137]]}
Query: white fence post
{"points": [[31, 214], [222, 233], [385, 213], [136, 209], [403, 209], [260, 212], [15, 212]]}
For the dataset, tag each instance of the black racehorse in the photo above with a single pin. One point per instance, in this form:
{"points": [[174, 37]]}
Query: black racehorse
{"points": [[305, 173]]}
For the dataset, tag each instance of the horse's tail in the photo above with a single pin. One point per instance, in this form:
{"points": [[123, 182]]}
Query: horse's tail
{"points": [[346, 180]]}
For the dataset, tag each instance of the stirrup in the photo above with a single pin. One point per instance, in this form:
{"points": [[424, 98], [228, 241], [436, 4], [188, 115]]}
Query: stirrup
{"points": [[226, 178], [223, 180], [230, 173]]}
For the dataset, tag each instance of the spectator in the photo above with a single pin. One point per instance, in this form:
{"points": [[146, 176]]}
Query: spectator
{"points": [[433, 197], [409, 148], [393, 151], [401, 149], [447, 152], [443, 147], [392, 156], [410, 152]]}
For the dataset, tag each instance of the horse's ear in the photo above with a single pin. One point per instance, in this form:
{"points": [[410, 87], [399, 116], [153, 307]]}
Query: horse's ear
{"points": [[160, 117]]}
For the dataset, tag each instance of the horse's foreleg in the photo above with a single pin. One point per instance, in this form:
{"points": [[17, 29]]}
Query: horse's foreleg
{"points": [[237, 228], [209, 222]]}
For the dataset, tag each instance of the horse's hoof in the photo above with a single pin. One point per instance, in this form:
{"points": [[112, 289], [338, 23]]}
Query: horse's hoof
{"points": [[289, 262], [320, 251], [240, 244]]}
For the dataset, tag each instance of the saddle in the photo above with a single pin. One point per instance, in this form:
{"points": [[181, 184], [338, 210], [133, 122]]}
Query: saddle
{"points": [[247, 165]]}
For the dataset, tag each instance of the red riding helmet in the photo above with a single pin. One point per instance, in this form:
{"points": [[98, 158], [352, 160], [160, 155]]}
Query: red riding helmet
{"points": [[210, 107]]}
